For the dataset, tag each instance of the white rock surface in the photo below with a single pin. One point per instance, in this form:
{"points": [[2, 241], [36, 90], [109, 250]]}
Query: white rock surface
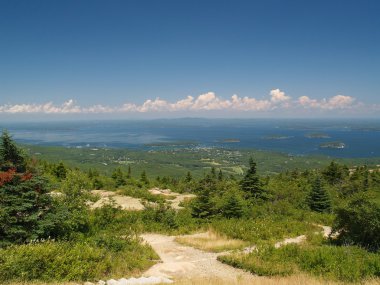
{"points": [[138, 281], [109, 197]]}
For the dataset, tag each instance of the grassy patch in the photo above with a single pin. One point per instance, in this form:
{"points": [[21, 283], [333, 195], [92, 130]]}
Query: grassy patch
{"points": [[347, 264], [265, 230], [98, 258], [211, 241]]}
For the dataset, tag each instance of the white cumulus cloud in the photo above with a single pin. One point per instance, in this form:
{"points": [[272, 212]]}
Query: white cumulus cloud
{"points": [[209, 101], [333, 103], [278, 96]]}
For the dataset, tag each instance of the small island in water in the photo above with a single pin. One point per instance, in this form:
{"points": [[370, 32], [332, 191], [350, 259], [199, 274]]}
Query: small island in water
{"points": [[231, 141], [276, 137], [335, 145], [317, 136]]}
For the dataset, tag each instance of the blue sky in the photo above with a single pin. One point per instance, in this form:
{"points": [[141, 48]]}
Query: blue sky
{"points": [[277, 57]]}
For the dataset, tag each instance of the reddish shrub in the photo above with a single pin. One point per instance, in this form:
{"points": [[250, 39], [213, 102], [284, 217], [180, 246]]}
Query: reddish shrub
{"points": [[7, 176]]}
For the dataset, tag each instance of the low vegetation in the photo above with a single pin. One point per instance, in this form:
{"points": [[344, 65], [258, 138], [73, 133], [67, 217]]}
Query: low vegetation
{"points": [[48, 233], [89, 259], [349, 264], [211, 241]]}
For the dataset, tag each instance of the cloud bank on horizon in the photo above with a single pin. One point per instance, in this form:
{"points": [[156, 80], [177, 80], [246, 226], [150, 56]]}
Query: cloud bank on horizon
{"points": [[277, 100]]}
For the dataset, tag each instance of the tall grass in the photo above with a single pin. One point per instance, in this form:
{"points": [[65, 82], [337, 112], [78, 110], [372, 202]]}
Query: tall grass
{"points": [[100, 257], [348, 264], [265, 230]]}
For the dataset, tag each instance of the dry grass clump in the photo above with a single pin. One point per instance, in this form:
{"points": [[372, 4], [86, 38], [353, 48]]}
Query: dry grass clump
{"points": [[289, 280], [211, 241], [43, 283]]}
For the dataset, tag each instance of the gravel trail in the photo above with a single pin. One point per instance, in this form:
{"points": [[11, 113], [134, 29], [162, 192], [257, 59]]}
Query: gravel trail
{"points": [[179, 262]]}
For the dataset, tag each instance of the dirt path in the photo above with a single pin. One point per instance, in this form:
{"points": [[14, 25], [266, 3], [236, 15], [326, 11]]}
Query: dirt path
{"points": [[179, 262], [184, 262]]}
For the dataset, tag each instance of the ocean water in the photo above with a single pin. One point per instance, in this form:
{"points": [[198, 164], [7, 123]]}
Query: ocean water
{"points": [[361, 138]]}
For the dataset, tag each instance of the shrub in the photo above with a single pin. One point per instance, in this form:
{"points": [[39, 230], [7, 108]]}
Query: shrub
{"points": [[97, 258], [359, 223], [26, 210], [348, 264], [262, 230]]}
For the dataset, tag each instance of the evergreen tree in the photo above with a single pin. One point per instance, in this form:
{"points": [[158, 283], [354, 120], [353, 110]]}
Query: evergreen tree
{"points": [[188, 177], [202, 206], [129, 173], [213, 173], [220, 175], [10, 154], [366, 182], [233, 205], [144, 178], [26, 210], [97, 183], [60, 171], [319, 199], [334, 173], [118, 177], [251, 185]]}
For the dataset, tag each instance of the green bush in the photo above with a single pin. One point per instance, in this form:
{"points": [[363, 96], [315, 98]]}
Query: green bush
{"points": [[348, 264], [359, 223], [99, 257], [341, 263], [268, 265], [153, 219], [269, 229]]}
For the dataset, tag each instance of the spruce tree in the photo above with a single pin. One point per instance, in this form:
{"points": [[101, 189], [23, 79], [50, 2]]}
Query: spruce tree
{"points": [[334, 173], [129, 173], [26, 210], [232, 206], [10, 154], [118, 177], [220, 175], [203, 206], [213, 173], [251, 184], [144, 178], [188, 177], [319, 199], [60, 171]]}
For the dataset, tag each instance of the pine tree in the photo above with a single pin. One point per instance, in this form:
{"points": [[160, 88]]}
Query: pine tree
{"points": [[188, 177], [60, 171], [118, 177], [10, 154], [213, 173], [129, 173], [144, 178], [334, 173], [232, 205], [202, 207], [26, 210], [251, 184], [220, 175], [319, 199]]}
